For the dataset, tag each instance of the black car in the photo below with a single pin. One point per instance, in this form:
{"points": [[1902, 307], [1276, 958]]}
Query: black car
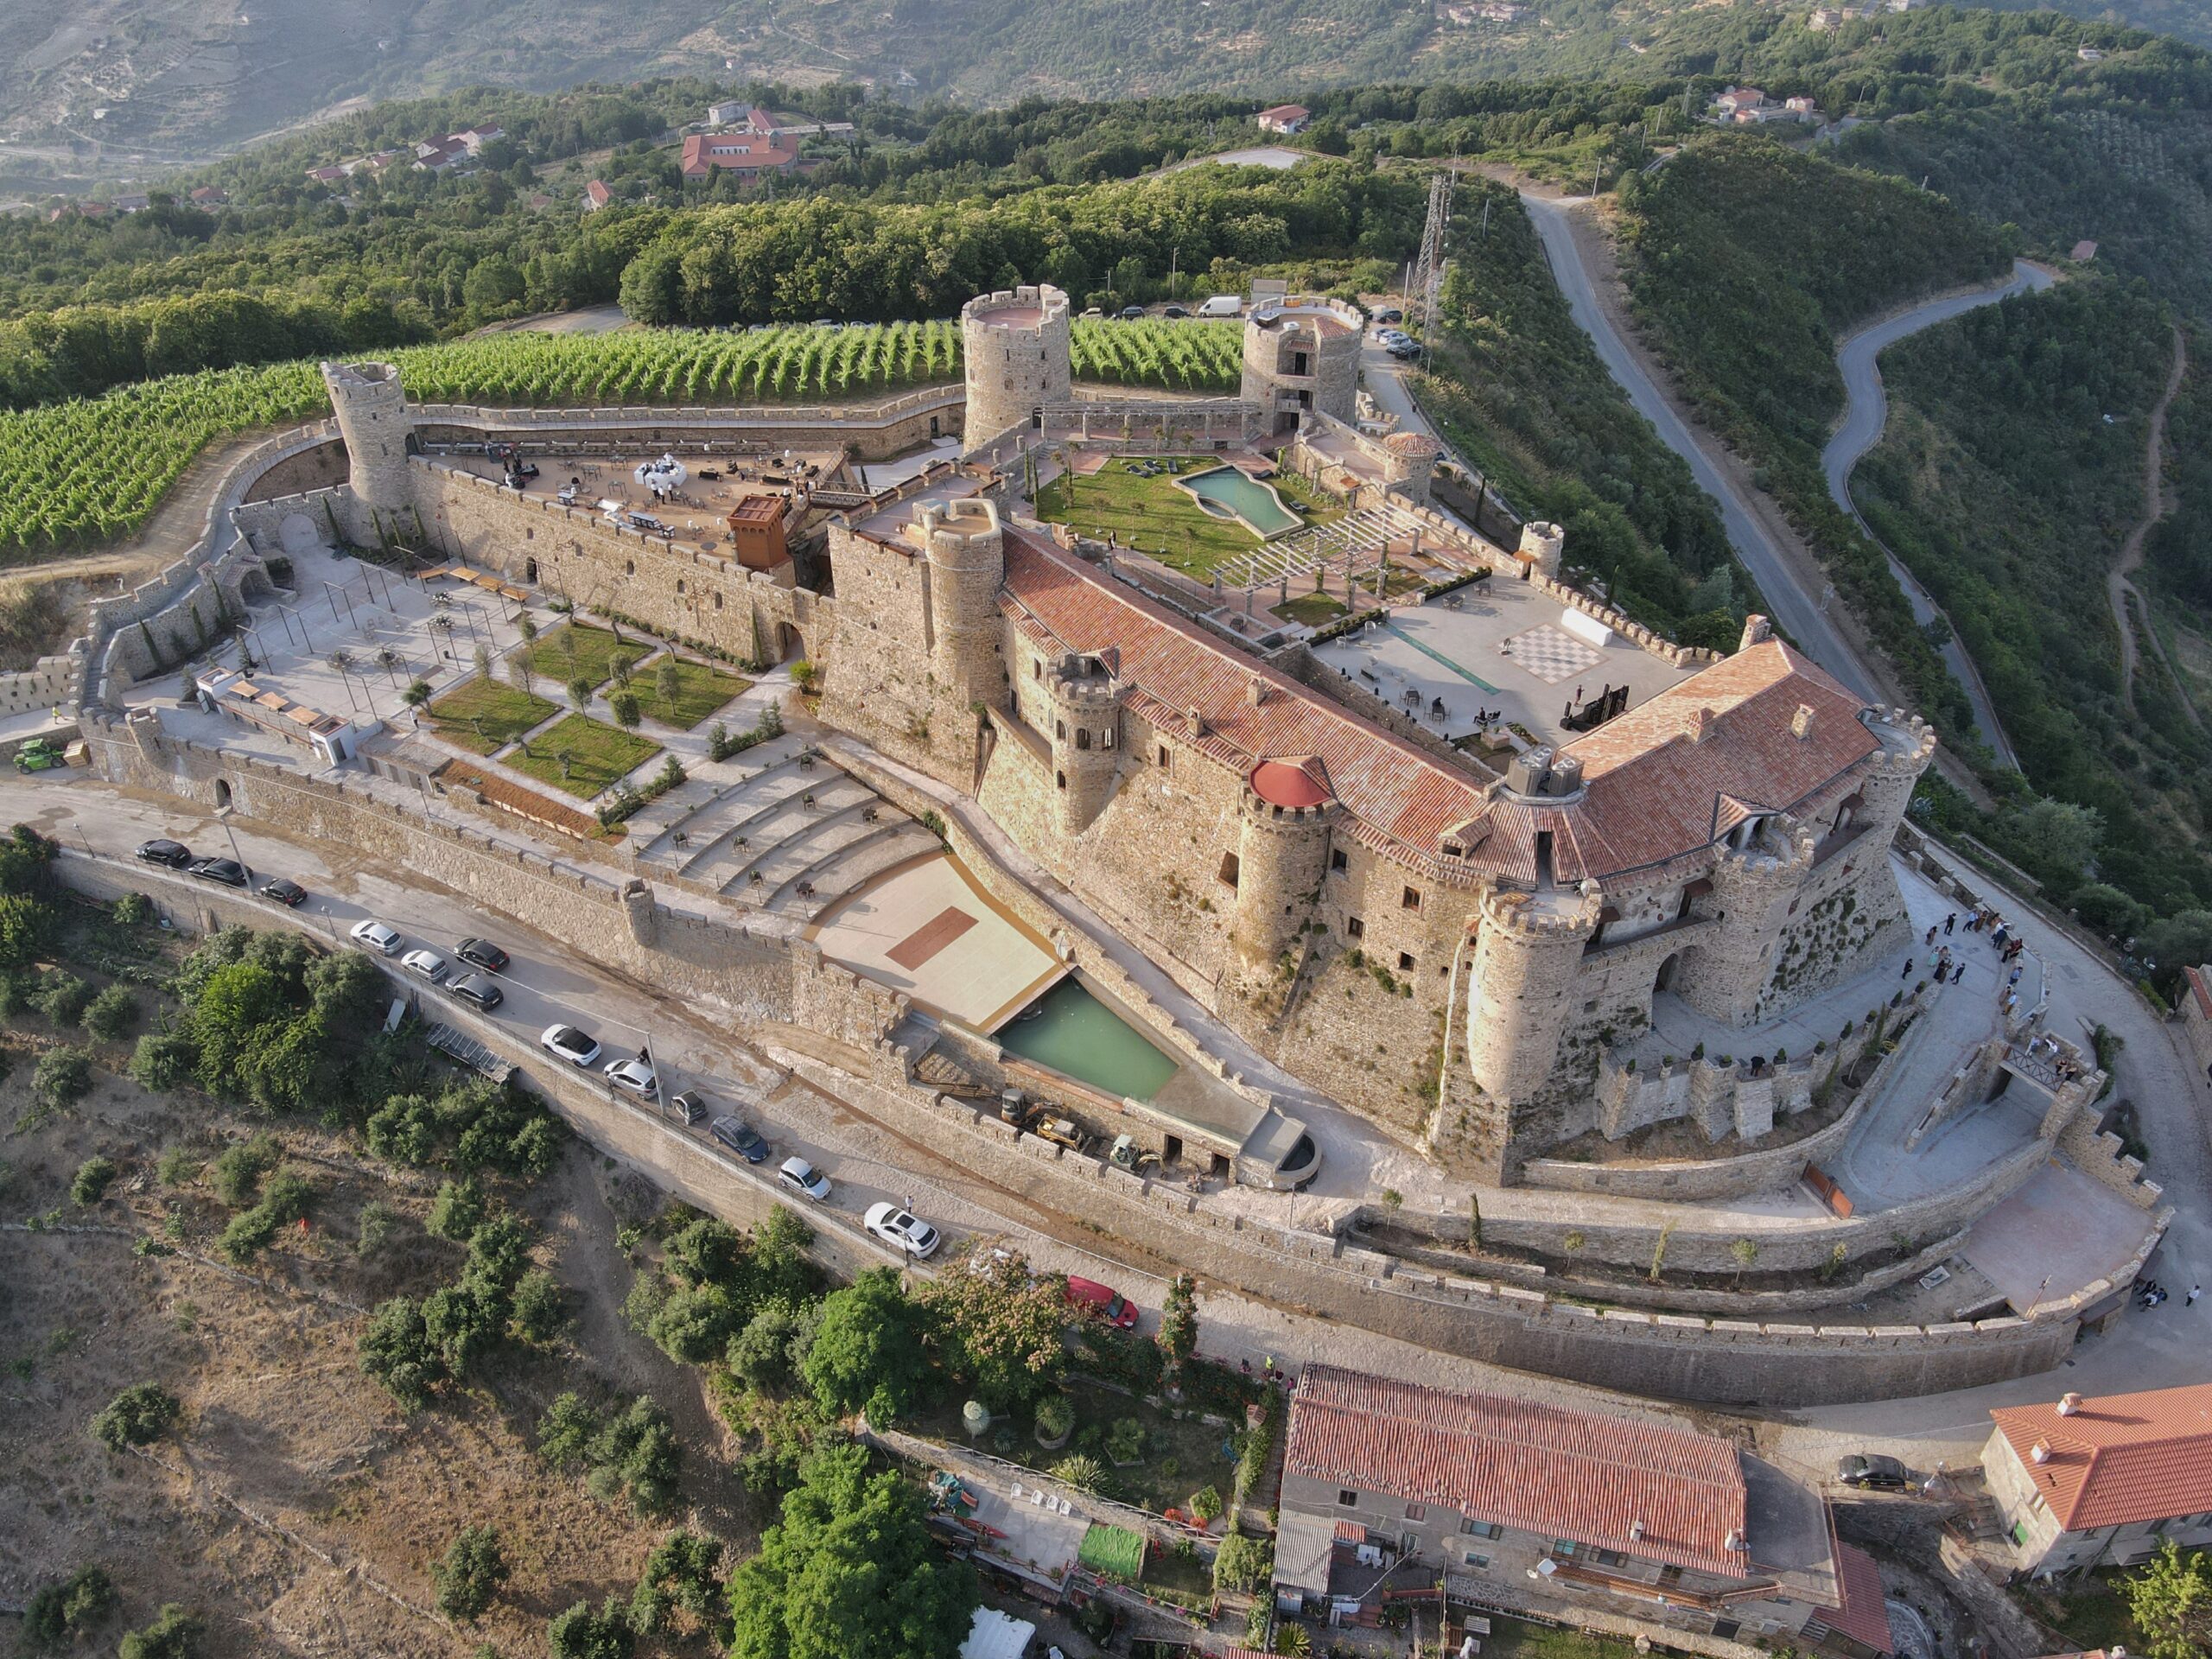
{"points": [[690, 1106], [175, 853], [1872, 1471], [474, 988], [1388, 314], [1173, 311], [284, 891], [1131, 313], [228, 871], [740, 1139], [482, 953]]}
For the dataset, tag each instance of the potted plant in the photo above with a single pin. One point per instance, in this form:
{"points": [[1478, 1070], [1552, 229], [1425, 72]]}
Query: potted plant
{"points": [[1055, 1421]]}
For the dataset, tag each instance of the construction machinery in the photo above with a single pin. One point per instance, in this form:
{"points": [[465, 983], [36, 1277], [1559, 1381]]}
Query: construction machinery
{"points": [[40, 755]]}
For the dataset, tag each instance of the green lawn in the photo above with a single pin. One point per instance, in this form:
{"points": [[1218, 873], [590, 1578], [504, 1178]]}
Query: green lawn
{"points": [[1509, 1638], [1312, 609], [598, 754], [701, 690], [1149, 514], [483, 715], [576, 649]]}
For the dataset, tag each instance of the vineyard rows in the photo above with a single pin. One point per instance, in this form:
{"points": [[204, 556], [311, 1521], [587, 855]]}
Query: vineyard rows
{"points": [[89, 471]]}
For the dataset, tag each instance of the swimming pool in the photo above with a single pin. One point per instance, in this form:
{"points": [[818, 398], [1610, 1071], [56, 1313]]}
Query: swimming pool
{"points": [[1224, 490], [1073, 1033]]}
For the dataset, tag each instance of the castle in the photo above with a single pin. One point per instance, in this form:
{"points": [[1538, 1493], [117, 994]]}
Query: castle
{"points": [[1465, 953]]}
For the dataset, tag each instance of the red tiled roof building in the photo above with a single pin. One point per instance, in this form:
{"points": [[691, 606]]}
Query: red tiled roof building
{"points": [[2102, 1480]]}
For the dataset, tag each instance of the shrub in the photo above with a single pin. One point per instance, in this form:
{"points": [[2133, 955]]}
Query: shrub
{"points": [[94, 1176], [1085, 1473], [541, 1306], [284, 1200], [1205, 1504], [164, 1060], [1125, 1440], [238, 1170], [141, 1413], [112, 1013], [134, 909], [376, 1226], [398, 1352], [64, 1075], [458, 1211], [580, 1633], [1055, 1417], [174, 1634], [1243, 1564], [67, 1608], [62, 998], [469, 1573]]}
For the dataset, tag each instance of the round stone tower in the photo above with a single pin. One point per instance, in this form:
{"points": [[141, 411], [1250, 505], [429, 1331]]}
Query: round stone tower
{"points": [[1542, 543], [1528, 950], [1753, 884], [373, 418], [1885, 785], [966, 559], [1282, 855], [1086, 738], [1015, 346], [1408, 462], [1302, 354]]}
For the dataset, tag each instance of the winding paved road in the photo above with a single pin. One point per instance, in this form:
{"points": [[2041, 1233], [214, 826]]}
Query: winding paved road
{"points": [[1867, 409], [1802, 617]]}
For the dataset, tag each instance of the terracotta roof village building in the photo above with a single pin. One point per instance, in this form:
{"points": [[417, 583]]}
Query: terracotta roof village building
{"points": [[746, 155], [1565, 1512], [1285, 119], [2103, 1479]]}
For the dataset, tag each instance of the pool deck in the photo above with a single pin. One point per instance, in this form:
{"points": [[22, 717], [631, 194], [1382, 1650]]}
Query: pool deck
{"points": [[929, 930]]}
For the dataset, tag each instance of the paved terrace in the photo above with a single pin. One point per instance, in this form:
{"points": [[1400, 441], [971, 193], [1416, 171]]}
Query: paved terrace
{"points": [[1499, 647]]}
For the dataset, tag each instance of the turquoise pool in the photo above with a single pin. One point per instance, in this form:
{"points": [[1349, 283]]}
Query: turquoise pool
{"points": [[1073, 1032], [1255, 504]]}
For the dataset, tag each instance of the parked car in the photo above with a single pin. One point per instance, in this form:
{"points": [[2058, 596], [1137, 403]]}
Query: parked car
{"points": [[426, 964], [284, 891], [1872, 1471], [1404, 350], [804, 1178], [741, 1138], [379, 936], [228, 871], [482, 953], [634, 1076], [1391, 336], [901, 1231], [567, 1043], [175, 853], [474, 988], [690, 1106], [1102, 1302], [1174, 311], [1131, 313], [1390, 313]]}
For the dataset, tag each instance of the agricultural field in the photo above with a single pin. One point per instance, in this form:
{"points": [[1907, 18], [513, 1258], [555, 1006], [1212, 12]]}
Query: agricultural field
{"points": [[88, 471]]}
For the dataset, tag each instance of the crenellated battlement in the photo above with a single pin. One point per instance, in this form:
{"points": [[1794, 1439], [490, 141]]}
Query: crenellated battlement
{"points": [[1560, 915], [1043, 298], [1908, 742]]}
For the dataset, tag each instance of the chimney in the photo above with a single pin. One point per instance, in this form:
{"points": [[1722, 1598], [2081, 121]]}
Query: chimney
{"points": [[1756, 631], [1255, 691], [1801, 723], [2068, 1403], [2040, 1451], [1197, 721], [1636, 1529], [1697, 724], [1733, 1542]]}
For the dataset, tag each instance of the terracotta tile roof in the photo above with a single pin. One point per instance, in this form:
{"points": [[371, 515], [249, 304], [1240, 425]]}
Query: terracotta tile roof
{"points": [[1862, 1616], [2120, 1459], [1549, 1470], [1380, 779]]}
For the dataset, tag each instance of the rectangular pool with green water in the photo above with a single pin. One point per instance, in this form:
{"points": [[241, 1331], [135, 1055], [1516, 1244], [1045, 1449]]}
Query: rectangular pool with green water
{"points": [[1073, 1032]]}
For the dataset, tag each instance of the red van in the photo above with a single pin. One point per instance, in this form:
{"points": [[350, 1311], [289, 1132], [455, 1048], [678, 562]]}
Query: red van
{"points": [[1102, 1302]]}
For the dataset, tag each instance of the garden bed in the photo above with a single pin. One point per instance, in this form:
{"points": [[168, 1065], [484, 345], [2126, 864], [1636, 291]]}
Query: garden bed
{"points": [[597, 755], [700, 691], [581, 651], [483, 716]]}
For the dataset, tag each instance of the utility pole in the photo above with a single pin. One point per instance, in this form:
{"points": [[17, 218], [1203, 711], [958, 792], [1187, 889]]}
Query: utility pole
{"points": [[1427, 280]]}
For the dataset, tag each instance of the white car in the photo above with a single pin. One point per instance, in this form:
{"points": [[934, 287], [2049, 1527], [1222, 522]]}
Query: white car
{"points": [[805, 1178], [1392, 336], [901, 1230], [635, 1076], [567, 1043], [426, 964], [379, 936]]}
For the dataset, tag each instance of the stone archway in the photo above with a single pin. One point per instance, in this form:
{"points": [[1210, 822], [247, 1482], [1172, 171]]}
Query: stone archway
{"points": [[530, 571], [222, 795], [299, 534], [790, 643], [1669, 971]]}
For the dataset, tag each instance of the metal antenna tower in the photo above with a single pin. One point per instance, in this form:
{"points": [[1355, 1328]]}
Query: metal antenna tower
{"points": [[1428, 285]]}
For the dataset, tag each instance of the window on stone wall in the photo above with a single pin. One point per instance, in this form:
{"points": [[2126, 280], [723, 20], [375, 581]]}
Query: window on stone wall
{"points": [[1670, 1574], [629, 567], [1405, 961], [1347, 1500], [1082, 738], [1061, 778], [1354, 927], [1163, 757], [1036, 668], [718, 602], [1475, 1528], [1060, 730], [1337, 862], [1416, 1512], [1230, 868], [1412, 899], [679, 584]]}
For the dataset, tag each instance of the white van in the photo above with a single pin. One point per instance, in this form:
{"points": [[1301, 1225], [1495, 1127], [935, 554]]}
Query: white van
{"points": [[1223, 305]]}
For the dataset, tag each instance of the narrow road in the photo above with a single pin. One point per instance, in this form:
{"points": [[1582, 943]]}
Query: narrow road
{"points": [[1801, 613], [1865, 411], [2156, 507]]}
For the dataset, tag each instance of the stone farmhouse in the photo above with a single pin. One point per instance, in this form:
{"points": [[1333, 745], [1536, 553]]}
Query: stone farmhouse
{"points": [[1572, 1513], [2103, 1481]]}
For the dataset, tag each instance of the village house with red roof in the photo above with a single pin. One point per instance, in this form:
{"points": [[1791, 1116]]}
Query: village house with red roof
{"points": [[2102, 1480], [1527, 1504]]}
